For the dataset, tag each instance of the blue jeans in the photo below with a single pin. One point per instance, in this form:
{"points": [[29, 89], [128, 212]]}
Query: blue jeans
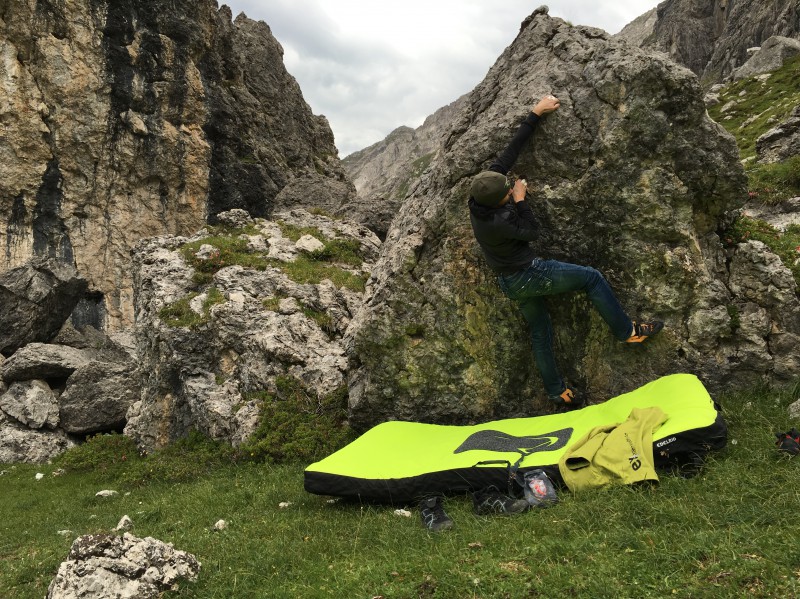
{"points": [[528, 288]]}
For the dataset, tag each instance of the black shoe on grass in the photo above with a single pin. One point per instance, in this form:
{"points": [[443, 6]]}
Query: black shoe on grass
{"points": [[493, 503], [433, 515]]}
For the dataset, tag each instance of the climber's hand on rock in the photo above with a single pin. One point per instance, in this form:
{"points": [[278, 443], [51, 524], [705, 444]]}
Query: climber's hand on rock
{"points": [[545, 105], [520, 189]]}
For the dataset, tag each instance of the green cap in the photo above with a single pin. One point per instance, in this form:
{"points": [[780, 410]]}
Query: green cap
{"points": [[489, 188]]}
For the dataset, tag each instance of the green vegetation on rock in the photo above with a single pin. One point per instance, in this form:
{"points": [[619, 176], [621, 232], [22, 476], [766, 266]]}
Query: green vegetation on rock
{"points": [[228, 250], [231, 248], [181, 314], [751, 107], [296, 425], [748, 109], [306, 269], [785, 245]]}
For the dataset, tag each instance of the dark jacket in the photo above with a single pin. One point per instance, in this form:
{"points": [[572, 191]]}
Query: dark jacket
{"points": [[503, 233]]}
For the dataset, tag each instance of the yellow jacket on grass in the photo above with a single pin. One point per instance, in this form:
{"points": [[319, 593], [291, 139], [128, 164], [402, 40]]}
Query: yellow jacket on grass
{"points": [[613, 453]]}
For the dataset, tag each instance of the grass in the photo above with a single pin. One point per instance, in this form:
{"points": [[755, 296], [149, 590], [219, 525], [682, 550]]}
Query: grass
{"points": [[180, 313], [726, 533], [774, 183], [760, 105]]}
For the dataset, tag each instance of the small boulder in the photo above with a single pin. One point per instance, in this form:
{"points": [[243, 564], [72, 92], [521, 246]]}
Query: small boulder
{"points": [[21, 444], [97, 397], [105, 566], [42, 361], [309, 243], [125, 523], [37, 298], [31, 403]]}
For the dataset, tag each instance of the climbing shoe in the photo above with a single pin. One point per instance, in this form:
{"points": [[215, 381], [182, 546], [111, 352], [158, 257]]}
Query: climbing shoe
{"points": [[643, 330], [491, 502], [433, 515], [789, 442], [569, 399]]}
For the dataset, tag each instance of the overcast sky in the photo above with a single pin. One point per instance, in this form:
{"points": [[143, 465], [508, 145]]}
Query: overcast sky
{"points": [[371, 66]]}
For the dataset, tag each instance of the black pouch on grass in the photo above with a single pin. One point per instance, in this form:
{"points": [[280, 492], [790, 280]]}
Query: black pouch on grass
{"points": [[788, 442]]}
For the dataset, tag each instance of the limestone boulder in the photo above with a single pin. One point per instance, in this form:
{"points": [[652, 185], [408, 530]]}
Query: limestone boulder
{"points": [[629, 176], [779, 216], [97, 397], [97, 344], [781, 142], [264, 326], [19, 443], [35, 301], [31, 403], [43, 361], [769, 57], [107, 566]]}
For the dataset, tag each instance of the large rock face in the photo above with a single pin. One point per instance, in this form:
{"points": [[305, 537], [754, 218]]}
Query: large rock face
{"points": [[629, 176], [128, 119], [251, 325], [384, 172], [712, 37]]}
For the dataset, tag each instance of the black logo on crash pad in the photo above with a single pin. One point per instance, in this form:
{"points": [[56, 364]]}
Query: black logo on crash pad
{"points": [[490, 440]]}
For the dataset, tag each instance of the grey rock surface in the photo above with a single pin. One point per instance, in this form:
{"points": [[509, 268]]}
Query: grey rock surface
{"points": [[31, 403], [640, 29], [95, 343], [35, 300], [714, 38], [779, 216], [267, 326], [629, 176], [781, 142], [383, 173], [107, 566], [43, 361], [35, 446], [131, 119], [769, 57], [97, 397]]}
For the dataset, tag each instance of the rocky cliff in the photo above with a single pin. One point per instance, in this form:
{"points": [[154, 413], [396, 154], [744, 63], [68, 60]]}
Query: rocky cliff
{"points": [[128, 119], [629, 176], [712, 37], [384, 172]]}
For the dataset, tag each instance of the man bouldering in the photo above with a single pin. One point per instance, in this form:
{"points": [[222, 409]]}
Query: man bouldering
{"points": [[504, 226]]}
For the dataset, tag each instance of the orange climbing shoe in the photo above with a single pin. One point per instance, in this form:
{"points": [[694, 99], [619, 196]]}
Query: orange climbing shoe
{"points": [[568, 400], [643, 330]]}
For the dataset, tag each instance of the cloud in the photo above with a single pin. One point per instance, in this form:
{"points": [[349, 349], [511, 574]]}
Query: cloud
{"points": [[371, 67]]}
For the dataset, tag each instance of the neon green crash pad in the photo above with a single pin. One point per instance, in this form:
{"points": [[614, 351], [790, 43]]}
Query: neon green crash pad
{"points": [[395, 460]]}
